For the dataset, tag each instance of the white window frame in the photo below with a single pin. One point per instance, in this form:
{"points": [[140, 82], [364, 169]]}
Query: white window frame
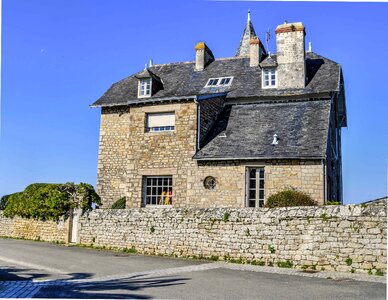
{"points": [[159, 128], [219, 80], [158, 198], [139, 90], [256, 189], [270, 86]]}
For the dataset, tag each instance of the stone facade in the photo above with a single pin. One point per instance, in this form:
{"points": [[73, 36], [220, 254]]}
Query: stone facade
{"points": [[128, 153], [34, 230], [339, 238]]}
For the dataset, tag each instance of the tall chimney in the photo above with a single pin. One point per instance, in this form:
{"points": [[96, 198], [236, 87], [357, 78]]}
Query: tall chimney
{"points": [[256, 51], [291, 70], [203, 56]]}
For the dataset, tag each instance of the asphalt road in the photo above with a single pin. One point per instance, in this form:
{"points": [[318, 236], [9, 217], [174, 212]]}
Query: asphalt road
{"points": [[43, 270]]}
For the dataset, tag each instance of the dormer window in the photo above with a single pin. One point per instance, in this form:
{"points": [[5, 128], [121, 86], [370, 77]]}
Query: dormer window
{"points": [[269, 79], [145, 88], [221, 81]]}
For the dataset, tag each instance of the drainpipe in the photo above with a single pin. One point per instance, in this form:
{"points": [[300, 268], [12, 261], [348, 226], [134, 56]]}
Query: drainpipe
{"points": [[324, 181], [198, 122]]}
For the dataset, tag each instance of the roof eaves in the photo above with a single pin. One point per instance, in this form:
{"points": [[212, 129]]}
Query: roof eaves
{"points": [[153, 100], [256, 158]]}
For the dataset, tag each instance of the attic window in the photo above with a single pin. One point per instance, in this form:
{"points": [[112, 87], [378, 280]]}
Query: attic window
{"points": [[144, 88], [221, 81], [269, 78]]}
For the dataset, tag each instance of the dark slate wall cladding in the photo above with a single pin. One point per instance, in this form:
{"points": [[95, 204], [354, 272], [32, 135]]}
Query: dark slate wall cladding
{"points": [[209, 110]]}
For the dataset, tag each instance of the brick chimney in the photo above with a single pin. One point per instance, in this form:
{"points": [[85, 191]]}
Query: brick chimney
{"points": [[291, 70], [256, 52], [203, 56]]}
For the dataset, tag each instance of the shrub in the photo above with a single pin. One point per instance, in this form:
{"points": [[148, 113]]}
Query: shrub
{"points": [[46, 201], [290, 197], [3, 201], [119, 204]]}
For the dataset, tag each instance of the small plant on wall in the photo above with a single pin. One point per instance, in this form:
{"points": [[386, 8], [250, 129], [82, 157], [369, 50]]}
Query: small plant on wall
{"points": [[119, 204]]}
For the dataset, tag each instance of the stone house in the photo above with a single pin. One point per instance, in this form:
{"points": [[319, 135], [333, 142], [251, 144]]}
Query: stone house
{"points": [[225, 132]]}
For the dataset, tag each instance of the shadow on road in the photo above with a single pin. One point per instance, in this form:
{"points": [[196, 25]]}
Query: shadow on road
{"points": [[113, 289], [18, 274]]}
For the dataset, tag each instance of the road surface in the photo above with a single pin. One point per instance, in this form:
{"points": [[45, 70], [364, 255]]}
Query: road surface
{"points": [[44, 270]]}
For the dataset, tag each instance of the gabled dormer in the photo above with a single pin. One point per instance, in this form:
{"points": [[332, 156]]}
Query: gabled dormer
{"points": [[149, 84], [269, 72]]}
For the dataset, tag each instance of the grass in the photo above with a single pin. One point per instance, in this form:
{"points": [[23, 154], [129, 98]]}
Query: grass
{"points": [[285, 264]]}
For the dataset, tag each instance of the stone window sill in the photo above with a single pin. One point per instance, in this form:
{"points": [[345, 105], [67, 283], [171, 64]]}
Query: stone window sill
{"points": [[152, 133]]}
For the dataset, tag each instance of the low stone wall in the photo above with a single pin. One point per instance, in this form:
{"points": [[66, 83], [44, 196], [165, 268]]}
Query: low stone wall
{"points": [[34, 230], [339, 238]]}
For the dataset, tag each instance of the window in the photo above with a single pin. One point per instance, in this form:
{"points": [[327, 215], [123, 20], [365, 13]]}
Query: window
{"points": [[255, 187], [210, 183], [145, 88], [222, 81], [160, 122], [158, 190], [269, 78]]}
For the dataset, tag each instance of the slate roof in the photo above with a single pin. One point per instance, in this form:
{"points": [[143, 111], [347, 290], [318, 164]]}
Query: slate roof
{"points": [[246, 131], [180, 80]]}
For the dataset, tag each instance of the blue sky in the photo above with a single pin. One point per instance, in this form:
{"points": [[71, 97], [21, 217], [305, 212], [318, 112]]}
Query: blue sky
{"points": [[59, 56]]}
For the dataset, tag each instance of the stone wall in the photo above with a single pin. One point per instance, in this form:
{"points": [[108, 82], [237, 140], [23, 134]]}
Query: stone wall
{"points": [[340, 238], [34, 230], [128, 153], [304, 175]]}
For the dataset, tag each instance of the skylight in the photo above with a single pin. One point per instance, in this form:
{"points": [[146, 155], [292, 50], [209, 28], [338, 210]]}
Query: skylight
{"points": [[221, 81]]}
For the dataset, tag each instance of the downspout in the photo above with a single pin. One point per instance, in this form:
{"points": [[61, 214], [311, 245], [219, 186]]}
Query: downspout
{"points": [[198, 123], [324, 182]]}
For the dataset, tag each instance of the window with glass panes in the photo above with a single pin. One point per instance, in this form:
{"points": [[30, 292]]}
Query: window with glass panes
{"points": [[158, 190], [145, 87], [255, 187], [221, 81], [269, 77]]}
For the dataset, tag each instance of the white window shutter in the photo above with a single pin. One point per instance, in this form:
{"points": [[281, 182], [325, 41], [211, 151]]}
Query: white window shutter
{"points": [[161, 119]]}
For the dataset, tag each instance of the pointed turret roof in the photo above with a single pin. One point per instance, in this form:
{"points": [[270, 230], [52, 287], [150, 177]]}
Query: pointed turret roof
{"points": [[249, 33]]}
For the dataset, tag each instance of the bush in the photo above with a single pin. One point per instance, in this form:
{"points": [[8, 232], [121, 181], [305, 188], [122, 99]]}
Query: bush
{"points": [[290, 197], [3, 201], [119, 204], [46, 201]]}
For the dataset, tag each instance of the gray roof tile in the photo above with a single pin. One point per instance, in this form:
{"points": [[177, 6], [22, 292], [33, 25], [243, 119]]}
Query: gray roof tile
{"points": [[180, 79], [246, 131]]}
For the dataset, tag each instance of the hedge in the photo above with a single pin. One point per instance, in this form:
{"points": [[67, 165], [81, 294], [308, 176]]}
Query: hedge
{"points": [[290, 197], [47, 201], [3, 201]]}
